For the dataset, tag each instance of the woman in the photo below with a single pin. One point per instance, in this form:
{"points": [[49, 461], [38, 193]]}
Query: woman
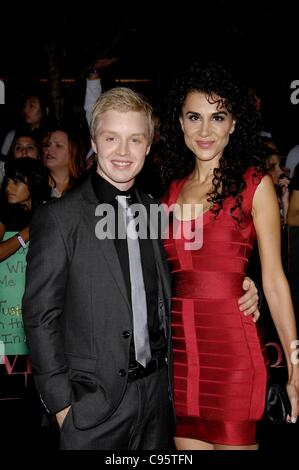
{"points": [[293, 210], [24, 145], [65, 160], [212, 145], [25, 187], [280, 180], [34, 117]]}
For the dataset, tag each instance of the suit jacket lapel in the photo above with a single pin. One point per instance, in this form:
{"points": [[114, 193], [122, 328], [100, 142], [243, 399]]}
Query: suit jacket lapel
{"points": [[159, 252], [106, 245]]}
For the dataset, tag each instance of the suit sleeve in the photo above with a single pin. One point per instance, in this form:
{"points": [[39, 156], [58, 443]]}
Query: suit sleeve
{"points": [[43, 301]]}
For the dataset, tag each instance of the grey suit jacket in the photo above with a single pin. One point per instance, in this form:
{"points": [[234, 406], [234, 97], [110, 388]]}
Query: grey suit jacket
{"points": [[76, 309]]}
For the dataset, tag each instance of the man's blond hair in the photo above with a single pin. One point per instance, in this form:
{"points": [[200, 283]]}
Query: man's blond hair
{"points": [[124, 100]]}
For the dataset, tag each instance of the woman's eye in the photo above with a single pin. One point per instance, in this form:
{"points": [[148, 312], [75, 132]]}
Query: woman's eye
{"points": [[218, 118]]}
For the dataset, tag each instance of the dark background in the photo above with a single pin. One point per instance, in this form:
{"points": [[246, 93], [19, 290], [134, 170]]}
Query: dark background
{"points": [[153, 40]]}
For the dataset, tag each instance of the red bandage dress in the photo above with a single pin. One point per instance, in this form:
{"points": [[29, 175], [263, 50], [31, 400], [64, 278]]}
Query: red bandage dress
{"points": [[219, 368]]}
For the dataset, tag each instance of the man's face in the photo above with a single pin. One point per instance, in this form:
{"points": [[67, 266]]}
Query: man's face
{"points": [[121, 144]]}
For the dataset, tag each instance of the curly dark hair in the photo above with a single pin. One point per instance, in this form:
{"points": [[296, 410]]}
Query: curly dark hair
{"points": [[245, 148]]}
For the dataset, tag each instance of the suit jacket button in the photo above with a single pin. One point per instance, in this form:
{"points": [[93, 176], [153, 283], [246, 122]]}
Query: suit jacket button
{"points": [[126, 334], [122, 372]]}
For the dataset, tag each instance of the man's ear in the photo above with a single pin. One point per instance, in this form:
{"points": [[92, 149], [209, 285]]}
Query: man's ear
{"points": [[148, 150], [93, 145]]}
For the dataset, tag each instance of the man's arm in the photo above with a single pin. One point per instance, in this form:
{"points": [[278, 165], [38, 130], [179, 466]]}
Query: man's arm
{"points": [[43, 302]]}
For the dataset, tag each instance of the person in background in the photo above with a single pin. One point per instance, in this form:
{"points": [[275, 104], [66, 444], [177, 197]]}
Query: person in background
{"points": [[23, 145], [25, 187], [215, 160], [35, 117], [257, 100], [293, 209], [292, 159], [280, 180], [64, 158]]}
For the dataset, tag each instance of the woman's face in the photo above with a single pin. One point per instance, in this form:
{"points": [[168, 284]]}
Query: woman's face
{"points": [[32, 112], [273, 167], [25, 147], [57, 153], [272, 162], [17, 192], [206, 126]]}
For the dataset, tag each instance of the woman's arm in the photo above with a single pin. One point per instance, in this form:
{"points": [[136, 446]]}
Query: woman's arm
{"points": [[10, 246], [266, 219], [293, 209]]}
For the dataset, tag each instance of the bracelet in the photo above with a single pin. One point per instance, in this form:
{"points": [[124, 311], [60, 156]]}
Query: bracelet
{"points": [[21, 240]]}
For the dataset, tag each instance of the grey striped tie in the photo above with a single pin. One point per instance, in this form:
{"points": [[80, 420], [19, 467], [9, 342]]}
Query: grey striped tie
{"points": [[138, 297]]}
